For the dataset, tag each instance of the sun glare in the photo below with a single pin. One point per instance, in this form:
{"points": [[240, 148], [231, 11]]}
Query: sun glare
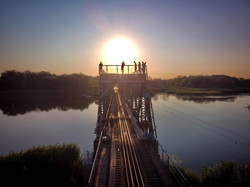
{"points": [[119, 49]]}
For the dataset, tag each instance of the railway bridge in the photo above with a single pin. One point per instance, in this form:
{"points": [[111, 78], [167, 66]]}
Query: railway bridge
{"points": [[126, 149]]}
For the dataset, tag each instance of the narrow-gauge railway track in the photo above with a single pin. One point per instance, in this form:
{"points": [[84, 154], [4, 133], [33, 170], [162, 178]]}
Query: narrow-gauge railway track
{"points": [[132, 174]]}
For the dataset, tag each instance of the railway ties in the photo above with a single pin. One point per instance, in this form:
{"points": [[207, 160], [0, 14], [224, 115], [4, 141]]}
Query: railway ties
{"points": [[122, 123], [132, 170], [153, 177], [119, 169], [134, 162]]}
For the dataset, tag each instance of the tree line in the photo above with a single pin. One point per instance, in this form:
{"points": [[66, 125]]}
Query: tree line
{"points": [[15, 80], [202, 81]]}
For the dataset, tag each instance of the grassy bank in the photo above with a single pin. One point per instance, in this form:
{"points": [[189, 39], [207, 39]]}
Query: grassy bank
{"points": [[227, 173], [198, 91], [59, 165], [62, 165]]}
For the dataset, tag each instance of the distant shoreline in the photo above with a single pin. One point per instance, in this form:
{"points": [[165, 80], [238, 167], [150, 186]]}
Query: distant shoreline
{"points": [[200, 91], [170, 90], [50, 93]]}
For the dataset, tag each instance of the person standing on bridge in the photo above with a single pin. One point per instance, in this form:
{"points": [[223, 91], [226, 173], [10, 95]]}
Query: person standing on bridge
{"points": [[135, 66], [143, 67], [123, 64], [139, 67], [100, 67]]}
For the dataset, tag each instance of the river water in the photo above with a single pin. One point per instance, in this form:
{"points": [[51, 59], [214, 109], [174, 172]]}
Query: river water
{"points": [[195, 131]]}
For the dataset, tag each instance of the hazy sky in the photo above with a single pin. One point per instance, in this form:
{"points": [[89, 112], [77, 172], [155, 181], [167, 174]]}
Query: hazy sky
{"points": [[174, 37]]}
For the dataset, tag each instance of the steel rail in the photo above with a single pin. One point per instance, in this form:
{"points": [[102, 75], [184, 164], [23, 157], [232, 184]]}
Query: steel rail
{"points": [[130, 156], [98, 149], [133, 171], [127, 156], [132, 152], [124, 152], [132, 149]]}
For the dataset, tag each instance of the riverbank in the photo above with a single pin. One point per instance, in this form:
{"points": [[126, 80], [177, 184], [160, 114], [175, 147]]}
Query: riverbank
{"points": [[224, 173], [32, 94], [63, 165], [53, 165], [199, 91]]}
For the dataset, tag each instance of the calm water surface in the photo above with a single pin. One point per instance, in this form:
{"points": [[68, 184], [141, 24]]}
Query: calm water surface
{"points": [[196, 131], [202, 131], [48, 128]]}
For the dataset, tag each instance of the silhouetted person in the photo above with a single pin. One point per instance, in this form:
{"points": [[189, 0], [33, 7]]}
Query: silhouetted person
{"points": [[100, 67], [123, 64], [143, 67], [135, 66], [139, 66]]}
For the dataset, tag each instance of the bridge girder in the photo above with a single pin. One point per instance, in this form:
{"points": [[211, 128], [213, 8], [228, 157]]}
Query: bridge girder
{"points": [[133, 89]]}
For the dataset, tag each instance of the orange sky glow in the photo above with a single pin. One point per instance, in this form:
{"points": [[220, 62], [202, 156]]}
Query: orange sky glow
{"points": [[174, 38]]}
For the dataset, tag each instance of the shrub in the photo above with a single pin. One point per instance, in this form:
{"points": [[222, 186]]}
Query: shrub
{"points": [[59, 165]]}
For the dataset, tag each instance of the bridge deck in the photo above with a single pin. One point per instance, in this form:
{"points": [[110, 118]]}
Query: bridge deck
{"points": [[103, 166], [153, 172], [129, 156], [115, 73]]}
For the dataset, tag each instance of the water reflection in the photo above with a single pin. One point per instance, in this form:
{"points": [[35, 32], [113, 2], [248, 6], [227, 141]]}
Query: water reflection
{"points": [[248, 109], [206, 99], [12, 105], [201, 135], [198, 99]]}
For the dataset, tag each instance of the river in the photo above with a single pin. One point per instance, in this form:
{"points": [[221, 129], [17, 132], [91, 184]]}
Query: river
{"points": [[195, 131]]}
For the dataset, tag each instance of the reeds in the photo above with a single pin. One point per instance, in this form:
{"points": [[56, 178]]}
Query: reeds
{"points": [[225, 173], [54, 165]]}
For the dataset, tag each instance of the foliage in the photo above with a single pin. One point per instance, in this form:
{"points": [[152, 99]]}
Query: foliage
{"points": [[14, 80], [213, 81], [209, 85], [214, 84], [224, 173], [201, 81], [59, 165]]}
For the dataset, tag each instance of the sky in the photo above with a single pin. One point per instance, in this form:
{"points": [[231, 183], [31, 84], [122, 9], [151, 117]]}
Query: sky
{"points": [[174, 37]]}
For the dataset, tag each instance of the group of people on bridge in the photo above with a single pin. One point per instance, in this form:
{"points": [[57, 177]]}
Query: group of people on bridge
{"points": [[140, 67]]}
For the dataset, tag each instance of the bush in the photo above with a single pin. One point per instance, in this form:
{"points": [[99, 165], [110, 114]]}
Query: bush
{"points": [[59, 165], [226, 174]]}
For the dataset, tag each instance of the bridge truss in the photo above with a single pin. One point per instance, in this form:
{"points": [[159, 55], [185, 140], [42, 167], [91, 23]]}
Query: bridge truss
{"points": [[132, 84], [123, 94]]}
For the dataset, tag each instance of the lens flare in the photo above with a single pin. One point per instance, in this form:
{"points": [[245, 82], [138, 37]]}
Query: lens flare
{"points": [[119, 49]]}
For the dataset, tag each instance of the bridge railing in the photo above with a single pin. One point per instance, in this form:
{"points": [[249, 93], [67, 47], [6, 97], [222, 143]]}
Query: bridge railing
{"points": [[98, 149], [175, 171], [117, 69], [95, 162]]}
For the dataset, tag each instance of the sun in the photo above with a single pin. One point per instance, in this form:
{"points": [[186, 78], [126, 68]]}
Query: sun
{"points": [[119, 49]]}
